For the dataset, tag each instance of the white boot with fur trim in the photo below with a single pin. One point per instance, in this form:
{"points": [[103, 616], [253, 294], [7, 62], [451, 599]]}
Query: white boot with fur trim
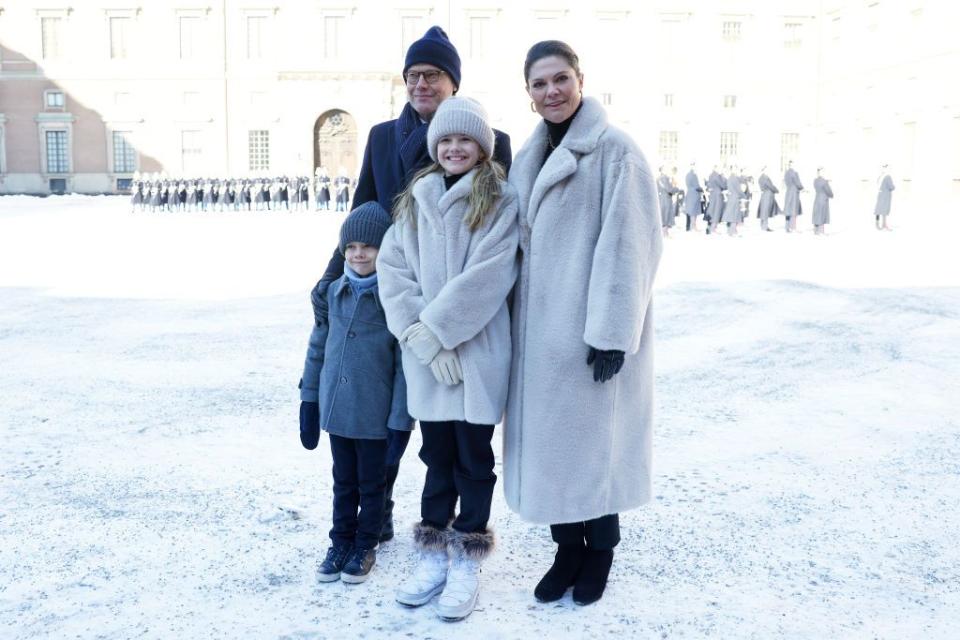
{"points": [[430, 573], [467, 551]]}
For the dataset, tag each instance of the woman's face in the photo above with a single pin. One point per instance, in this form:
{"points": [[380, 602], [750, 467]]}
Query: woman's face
{"points": [[555, 88]]}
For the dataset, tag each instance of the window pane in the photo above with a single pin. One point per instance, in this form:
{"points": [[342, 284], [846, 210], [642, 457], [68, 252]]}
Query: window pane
{"points": [[119, 37], [729, 146], [255, 34], [50, 34], [188, 35], [191, 155], [124, 155], [478, 36], [259, 150], [668, 146], [789, 148], [331, 36], [57, 159]]}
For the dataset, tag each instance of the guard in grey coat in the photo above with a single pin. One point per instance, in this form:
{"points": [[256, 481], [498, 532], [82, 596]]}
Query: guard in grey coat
{"points": [[691, 200], [715, 186], [884, 196], [731, 209], [665, 193], [768, 206], [821, 202], [791, 200]]}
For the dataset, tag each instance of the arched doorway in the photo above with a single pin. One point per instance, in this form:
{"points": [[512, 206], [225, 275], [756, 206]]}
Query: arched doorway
{"points": [[335, 143]]}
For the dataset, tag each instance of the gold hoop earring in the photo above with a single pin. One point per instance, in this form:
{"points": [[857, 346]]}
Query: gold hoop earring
{"points": [[533, 108]]}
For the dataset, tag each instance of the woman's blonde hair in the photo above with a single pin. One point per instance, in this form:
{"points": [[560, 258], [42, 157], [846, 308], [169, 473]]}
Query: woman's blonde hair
{"points": [[484, 193]]}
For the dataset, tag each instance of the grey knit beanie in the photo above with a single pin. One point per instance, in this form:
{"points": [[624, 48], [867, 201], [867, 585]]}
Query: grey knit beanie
{"points": [[367, 224], [459, 114]]}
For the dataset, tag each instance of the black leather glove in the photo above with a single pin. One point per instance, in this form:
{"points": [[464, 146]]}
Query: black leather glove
{"points": [[318, 299], [605, 363], [309, 424]]}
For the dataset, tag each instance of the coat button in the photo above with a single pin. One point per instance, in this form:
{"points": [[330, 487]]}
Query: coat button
{"points": [[343, 379], [351, 334]]}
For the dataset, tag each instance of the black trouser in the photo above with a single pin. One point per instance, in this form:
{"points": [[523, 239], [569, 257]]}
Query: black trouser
{"points": [[601, 533], [459, 462], [396, 444], [359, 480], [689, 221]]}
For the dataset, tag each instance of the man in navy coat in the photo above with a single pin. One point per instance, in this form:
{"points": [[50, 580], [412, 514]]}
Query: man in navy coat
{"points": [[395, 151]]}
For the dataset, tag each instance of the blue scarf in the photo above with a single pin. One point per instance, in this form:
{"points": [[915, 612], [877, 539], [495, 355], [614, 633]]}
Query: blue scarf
{"points": [[411, 135], [359, 284]]}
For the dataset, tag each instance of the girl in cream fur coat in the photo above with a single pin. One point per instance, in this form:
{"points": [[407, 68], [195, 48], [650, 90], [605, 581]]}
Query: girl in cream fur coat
{"points": [[445, 269]]}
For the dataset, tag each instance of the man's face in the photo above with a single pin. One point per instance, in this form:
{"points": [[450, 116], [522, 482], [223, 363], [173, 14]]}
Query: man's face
{"points": [[425, 96]]}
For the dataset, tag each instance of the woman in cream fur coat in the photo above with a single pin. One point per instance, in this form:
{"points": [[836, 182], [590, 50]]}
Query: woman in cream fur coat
{"points": [[577, 431]]}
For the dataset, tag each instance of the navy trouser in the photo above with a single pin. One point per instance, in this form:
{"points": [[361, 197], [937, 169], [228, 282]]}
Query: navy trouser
{"points": [[459, 461], [396, 444], [601, 533], [359, 481]]}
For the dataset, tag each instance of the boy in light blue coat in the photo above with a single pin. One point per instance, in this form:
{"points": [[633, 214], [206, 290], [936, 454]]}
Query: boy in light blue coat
{"points": [[353, 387]]}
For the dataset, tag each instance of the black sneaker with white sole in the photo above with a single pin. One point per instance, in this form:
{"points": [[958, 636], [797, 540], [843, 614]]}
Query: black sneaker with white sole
{"points": [[359, 565], [331, 567]]}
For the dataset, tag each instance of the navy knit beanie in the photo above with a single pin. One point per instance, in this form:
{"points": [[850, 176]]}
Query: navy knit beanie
{"points": [[435, 48], [367, 224]]}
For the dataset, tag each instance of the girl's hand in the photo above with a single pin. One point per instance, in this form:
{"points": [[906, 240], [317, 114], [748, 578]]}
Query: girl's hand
{"points": [[446, 368], [422, 342]]}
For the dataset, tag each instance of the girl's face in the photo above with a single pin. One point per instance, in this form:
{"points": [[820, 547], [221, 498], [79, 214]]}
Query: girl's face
{"points": [[458, 153], [555, 88], [362, 258]]}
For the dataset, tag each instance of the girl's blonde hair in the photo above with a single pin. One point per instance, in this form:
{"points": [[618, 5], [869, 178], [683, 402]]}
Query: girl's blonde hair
{"points": [[484, 193]]}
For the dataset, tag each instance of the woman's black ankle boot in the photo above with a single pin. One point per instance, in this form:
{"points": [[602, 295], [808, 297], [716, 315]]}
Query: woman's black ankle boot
{"points": [[563, 574], [593, 576]]}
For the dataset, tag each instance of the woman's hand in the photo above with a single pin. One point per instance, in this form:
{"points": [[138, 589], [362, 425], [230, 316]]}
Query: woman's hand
{"points": [[606, 363], [424, 344]]}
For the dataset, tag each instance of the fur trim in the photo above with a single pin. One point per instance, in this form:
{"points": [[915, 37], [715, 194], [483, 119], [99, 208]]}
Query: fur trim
{"points": [[475, 546], [429, 538]]}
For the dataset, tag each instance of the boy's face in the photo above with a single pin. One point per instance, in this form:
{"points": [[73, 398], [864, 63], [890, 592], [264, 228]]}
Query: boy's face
{"points": [[362, 258]]}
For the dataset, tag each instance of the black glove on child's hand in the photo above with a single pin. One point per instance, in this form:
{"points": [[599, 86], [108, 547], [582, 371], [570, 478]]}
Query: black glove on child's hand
{"points": [[605, 363], [309, 424]]}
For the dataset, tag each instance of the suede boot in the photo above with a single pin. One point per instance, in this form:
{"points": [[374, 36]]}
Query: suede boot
{"points": [[593, 576], [563, 574]]}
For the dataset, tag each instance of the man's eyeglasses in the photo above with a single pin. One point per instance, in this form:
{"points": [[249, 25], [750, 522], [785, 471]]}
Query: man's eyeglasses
{"points": [[432, 76]]}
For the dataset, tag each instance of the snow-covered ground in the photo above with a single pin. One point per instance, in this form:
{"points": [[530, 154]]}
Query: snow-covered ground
{"points": [[152, 483]]}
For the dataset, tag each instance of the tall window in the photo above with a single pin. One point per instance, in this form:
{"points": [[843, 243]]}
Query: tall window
{"points": [[789, 148], [256, 37], [731, 30], [50, 32], [410, 31], [189, 29], [606, 98], [729, 146], [259, 150], [668, 100], [668, 146], [332, 28], [479, 28], [119, 38], [124, 155], [191, 152], [792, 35], [58, 159], [729, 101]]}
